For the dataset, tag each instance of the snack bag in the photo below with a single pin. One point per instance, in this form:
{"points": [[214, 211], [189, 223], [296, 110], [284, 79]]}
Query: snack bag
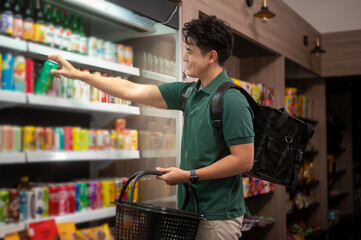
{"points": [[100, 233], [44, 230], [67, 231]]}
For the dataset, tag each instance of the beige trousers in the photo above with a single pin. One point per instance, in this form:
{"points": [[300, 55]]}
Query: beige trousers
{"points": [[220, 229]]}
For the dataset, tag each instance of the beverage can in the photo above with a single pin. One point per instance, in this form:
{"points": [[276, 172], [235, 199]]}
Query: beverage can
{"points": [[19, 74], [91, 195], [94, 94], [76, 89], [125, 196], [69, 88], [7, 71], [106, 193], [120, 141], [134, 134], [28, 33], [1, 68], [63, 200], [39, 32], [53, 200], [100, 139], [92, 144], [7, 138], [99, 202], [128, 56], [100, 49], [49, 139], [4, 206], [45, 78], [14, 205], [16, 138], [112, 192], [68, 138], [120, 124], [39, 202], [29, 138], [29, 75], [84, 139], [118, 187], [120, 54], [18, 27], [106, 139], [46, 197], [109, 51], [104, 97], [23, 206], [112, 139], [63, 86], [30, 205], [92, 47], [81, 196], [71, 191], [40, 138], [58, 139], [77, 146]]}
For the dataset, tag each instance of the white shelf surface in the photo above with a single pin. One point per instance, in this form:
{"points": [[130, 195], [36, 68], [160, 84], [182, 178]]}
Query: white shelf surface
{"points": [[12, 97], [63, 156], [155, 112], [12, 157], [157, 76], [12, 43], [79, 217], [84, 60], [161, 153], [71, 104]]}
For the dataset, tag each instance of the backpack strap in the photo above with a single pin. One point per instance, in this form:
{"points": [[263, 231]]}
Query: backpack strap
{"points": [[216, 108], [186, 92]]}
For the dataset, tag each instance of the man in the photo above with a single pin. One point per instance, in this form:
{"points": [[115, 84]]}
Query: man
{"points": [[218, 182]]}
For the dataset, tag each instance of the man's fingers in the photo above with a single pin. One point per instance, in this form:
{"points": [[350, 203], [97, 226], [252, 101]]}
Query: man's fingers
{"points": [[164, 170]]}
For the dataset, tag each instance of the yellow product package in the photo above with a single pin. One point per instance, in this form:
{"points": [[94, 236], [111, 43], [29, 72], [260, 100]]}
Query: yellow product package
{"points": [[67, 231], [100, 233]]}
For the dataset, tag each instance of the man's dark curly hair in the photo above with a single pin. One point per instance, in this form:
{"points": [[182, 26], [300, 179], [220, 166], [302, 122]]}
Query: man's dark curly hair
{"points": [[210, 33]]}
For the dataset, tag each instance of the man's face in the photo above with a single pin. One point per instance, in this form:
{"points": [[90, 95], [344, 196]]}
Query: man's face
{"points": [[197, 63]]}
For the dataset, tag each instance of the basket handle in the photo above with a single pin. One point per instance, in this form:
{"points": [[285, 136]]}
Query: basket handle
{"points": [[136, 176]]}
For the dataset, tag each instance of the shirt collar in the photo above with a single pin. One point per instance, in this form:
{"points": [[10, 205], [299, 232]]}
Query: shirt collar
{"points": [[214, 84]]}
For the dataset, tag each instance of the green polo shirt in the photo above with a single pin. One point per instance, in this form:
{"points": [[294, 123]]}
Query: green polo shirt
{"points": [[220, 198]]}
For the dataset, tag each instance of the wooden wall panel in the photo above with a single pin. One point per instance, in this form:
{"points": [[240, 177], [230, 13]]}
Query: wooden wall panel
{"points": [[316, 89], [343, 56], [282, 34]]}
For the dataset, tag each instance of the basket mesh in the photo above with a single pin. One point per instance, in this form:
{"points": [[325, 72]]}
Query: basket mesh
{"points": [[133, 223]]}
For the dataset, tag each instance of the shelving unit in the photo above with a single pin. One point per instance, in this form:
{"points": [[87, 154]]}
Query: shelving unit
{"points": [[157, 76], [79, 217], [12, 157]]}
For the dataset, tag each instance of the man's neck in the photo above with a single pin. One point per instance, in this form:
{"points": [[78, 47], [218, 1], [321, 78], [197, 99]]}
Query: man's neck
{"points": [[210, 75]]}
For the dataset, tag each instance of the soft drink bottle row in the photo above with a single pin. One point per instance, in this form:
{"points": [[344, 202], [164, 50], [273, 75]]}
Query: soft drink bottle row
{"points": [[32, 20], [31, 138], [19, 74], [35, 201]]}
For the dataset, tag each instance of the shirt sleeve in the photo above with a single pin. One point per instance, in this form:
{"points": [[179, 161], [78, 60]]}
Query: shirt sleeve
{"points": [[237, 119], [171, 93]]}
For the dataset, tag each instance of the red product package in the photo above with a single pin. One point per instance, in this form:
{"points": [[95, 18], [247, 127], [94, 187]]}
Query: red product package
{"points": [[44, 230]]}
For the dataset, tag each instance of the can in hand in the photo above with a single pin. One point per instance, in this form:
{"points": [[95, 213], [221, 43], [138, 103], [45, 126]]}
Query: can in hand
{"points": [[45, 79]]}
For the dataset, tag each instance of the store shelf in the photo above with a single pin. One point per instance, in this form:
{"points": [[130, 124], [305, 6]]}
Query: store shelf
{"points": [[12, 43], [80, 217], [335, 199], [12, 157], [303, 213], [39, 49], [12, 97], [154, 112], [78, 105], [157, 76], [63, 156], [333, 177], [158, 153]]}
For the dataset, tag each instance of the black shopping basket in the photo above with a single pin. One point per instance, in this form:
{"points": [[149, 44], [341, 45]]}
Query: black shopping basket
{"points": [[140, 221]]}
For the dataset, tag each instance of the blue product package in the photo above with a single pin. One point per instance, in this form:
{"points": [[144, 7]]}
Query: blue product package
{"points": [[7, 71], [23, 206]]}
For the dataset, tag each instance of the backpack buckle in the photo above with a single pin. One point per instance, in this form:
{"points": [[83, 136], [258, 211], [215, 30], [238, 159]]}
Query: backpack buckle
{"points": [[217, 123]]}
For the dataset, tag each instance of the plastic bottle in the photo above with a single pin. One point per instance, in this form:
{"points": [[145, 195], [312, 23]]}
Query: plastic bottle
{"points": [[28, 32], [17, 20], [6, 19], [66, 44], [83, 39], [58, 28], [75, 37], [49, 27], [39, 26]]}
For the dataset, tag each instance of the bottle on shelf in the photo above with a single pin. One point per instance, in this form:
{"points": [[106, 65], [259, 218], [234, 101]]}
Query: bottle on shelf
{"points": [[28, 33], [17, 20], [58, 28], [6, 18], [75, 37], [49, 26], [39, 26], [66, 43], [24, 183], [83, 39]]}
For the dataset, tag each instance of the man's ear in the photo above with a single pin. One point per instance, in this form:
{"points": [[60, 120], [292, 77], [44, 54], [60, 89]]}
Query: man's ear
{"points": [[213, 56]]}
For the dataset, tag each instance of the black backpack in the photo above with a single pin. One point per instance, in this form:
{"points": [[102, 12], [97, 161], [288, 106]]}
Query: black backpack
{"points": [[280, 139]]}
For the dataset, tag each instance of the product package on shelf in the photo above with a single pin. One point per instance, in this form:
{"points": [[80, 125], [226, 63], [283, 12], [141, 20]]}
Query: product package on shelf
{"points": [[299, 105], [31, 138], [253, 186]]}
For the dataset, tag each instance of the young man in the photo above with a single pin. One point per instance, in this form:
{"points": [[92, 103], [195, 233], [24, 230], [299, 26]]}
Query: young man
{"points": [[218, 182]]}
